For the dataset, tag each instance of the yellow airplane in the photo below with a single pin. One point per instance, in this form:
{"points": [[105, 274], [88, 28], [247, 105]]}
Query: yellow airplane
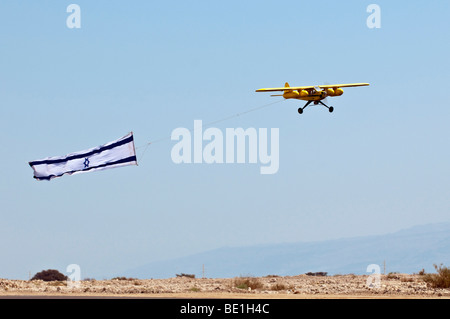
{"points": [[312, 94]]}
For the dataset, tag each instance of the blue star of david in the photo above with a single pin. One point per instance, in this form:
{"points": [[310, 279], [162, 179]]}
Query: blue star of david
{"points": [[86, 162]]}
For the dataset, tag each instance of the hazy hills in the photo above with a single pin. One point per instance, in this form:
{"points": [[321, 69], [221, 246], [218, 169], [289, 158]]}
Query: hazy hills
{"points": [[406, 251]]}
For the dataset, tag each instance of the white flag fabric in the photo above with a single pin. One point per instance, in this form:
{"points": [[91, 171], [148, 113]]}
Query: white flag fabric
{"points": [[117, 153]]}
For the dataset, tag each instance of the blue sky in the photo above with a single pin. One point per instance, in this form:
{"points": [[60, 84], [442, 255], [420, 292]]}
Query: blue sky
{"points": [[378, 164]]}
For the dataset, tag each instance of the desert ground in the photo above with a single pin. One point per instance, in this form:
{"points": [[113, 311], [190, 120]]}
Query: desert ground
{"points": [[392, 286]]}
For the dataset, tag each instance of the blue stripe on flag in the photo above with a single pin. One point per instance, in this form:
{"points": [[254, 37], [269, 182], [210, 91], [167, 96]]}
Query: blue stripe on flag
{"points": [[122, 161], [97, 151]]}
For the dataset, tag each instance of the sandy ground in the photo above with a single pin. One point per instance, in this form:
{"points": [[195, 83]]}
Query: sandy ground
{"points": [[272, 287]]}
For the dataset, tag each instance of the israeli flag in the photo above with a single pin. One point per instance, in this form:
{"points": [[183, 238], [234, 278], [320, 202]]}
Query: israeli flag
{"points": [[113, 154]]}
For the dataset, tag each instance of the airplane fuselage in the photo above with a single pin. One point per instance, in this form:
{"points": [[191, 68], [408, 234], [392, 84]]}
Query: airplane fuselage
{"points": [[312, 95]]}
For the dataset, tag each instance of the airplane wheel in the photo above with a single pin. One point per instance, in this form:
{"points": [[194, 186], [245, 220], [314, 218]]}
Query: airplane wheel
{"points": [[300, 111], [331, 109]]}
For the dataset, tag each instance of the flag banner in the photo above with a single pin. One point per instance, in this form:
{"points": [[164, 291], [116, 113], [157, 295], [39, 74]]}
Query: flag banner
{"points": [[113, 154]]}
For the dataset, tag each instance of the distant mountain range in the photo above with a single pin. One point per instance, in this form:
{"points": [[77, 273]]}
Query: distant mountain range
{"points": [[406, 251]]}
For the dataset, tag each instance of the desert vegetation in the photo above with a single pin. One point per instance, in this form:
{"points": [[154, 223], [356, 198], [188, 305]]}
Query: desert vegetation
{"points": [[439, 280], [247, 282], [49, 275]]}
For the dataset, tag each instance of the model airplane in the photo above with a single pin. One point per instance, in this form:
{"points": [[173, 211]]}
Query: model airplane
{"points": [[312, 94]]}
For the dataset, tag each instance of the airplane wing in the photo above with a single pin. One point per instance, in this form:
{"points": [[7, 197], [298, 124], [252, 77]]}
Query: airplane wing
{"points": [[288, 88], [342, 85]]}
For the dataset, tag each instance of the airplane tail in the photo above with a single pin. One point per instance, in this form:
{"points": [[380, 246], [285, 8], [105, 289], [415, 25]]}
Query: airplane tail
{"points": [[287, 91], [287, 86], [289, 94]]}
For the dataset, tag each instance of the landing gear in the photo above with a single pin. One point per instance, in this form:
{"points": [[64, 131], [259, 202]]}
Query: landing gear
{"points": [[300, 110], [330, 108]]}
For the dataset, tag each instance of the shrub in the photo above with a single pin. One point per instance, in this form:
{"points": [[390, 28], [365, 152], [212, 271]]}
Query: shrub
{"points": [[421, 272], [123, 278], [280, 286], [439, 280], [393, 275], [317, 274], [49, 275], [247, 282], [185, 275]]}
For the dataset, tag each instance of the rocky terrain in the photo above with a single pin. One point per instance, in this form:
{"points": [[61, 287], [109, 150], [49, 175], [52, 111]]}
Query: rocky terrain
{"points": [[302, 286]]}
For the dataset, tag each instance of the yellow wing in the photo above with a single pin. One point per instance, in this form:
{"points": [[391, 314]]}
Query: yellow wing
{"points": [[343, 85], [286, 88], [289, 88]]}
